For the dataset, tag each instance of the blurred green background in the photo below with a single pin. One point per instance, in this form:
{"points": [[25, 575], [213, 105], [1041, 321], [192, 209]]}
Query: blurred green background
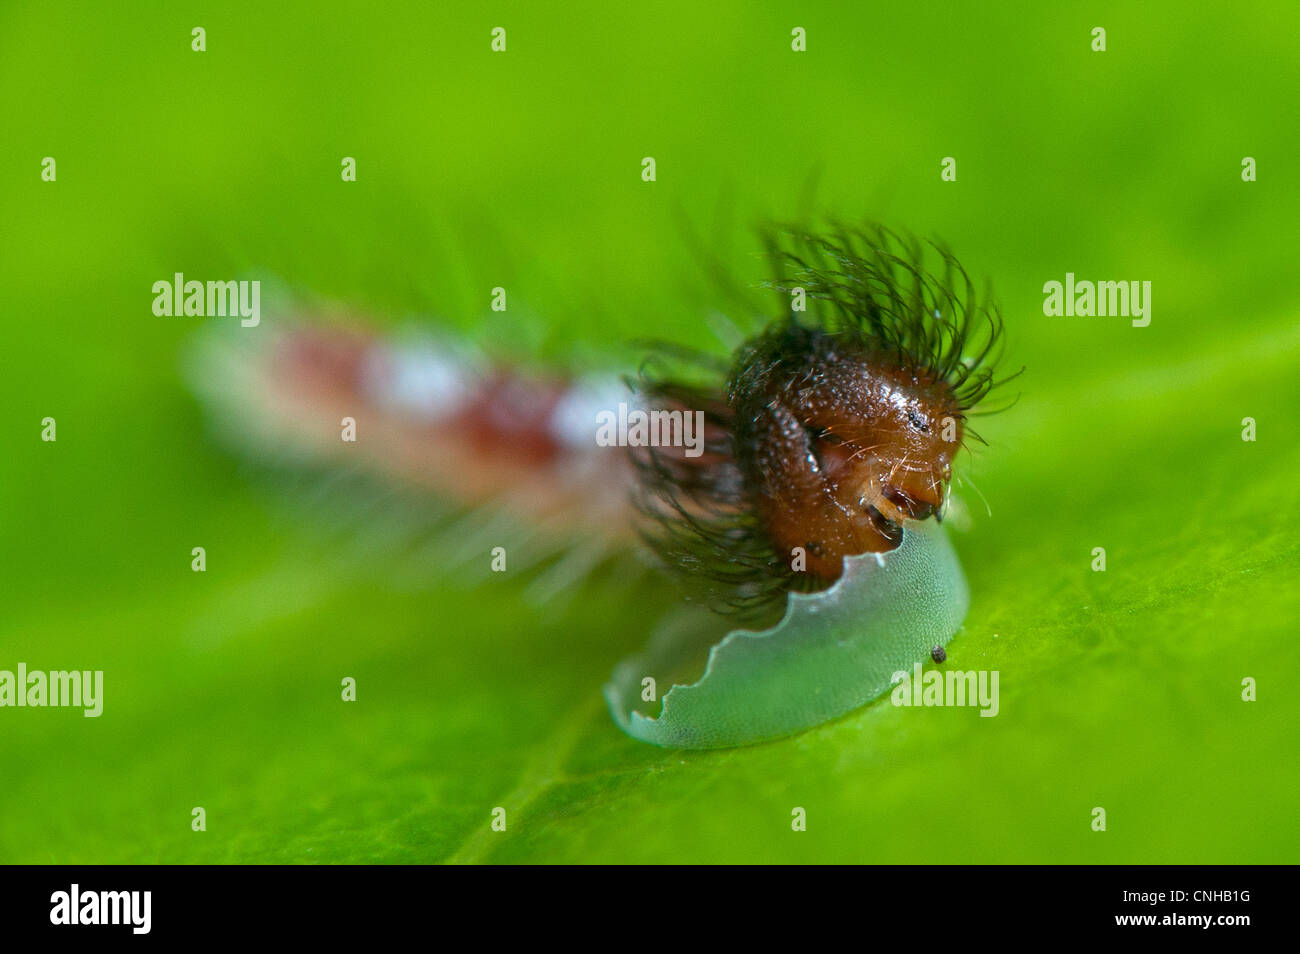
{"points": [[1118, 689]]}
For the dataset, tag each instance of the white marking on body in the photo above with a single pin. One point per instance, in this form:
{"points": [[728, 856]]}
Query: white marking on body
{"points": [[420, 378], [574, 419]]}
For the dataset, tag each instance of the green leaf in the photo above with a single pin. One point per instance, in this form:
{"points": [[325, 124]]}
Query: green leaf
{"points": [[1119, 689]]}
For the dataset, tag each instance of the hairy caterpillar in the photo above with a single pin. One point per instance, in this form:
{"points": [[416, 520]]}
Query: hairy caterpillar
{"points": [[840, 423], [828, 445]]}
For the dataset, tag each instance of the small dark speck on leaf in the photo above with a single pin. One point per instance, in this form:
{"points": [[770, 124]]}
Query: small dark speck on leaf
{"points": [[938, 654]]}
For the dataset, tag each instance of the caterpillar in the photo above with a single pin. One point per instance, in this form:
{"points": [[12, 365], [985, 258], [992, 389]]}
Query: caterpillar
{"points": [[808, 514]]}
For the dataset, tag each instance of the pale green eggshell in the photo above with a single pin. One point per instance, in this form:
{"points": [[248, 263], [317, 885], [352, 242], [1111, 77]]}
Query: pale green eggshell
{"points": [[832, 652]]}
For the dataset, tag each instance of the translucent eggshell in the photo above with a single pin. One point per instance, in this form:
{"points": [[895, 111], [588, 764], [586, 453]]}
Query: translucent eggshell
{"points": [[832, 652]]}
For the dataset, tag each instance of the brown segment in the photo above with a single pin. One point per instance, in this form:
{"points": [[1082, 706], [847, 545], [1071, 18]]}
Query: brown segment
{"points": [[842, 445]]}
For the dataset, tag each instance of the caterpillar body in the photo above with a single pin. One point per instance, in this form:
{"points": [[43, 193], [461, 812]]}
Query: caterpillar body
{"points": [[823, 467]]}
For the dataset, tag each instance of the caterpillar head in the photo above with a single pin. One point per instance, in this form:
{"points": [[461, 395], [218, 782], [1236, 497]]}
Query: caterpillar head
{"points": [[840, 443]]}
